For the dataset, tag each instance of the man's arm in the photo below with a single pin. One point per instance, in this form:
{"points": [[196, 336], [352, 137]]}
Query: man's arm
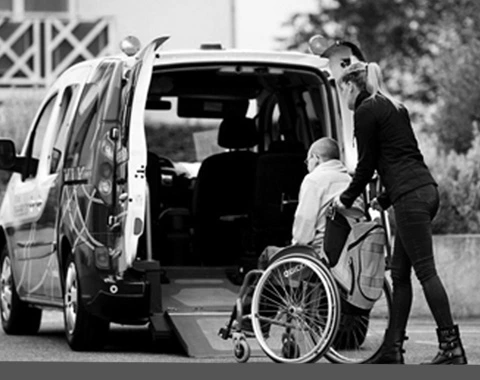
{"points": [[303, 231]]}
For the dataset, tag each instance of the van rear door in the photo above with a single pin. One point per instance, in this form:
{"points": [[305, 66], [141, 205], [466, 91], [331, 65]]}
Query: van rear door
{"points": [[136, 196]]}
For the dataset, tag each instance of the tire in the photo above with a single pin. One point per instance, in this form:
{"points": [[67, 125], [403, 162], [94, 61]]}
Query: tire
{"points": [[353, 327], [84, 331], [361, 334], [241, 351], [295, 309], [18, 317]]}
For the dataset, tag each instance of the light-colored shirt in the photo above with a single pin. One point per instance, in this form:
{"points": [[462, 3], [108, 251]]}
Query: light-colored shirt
{"points": [[317, 190]]}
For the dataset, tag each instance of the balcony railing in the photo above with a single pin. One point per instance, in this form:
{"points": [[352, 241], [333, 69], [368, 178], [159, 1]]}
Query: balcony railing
{"points": [[34, 52]]}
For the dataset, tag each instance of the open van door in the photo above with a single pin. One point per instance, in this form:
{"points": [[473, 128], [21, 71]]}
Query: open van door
{"points": [[340, 54], [137, 151]]}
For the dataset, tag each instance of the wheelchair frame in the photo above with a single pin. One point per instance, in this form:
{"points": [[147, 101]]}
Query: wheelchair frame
{"points": [[335, 349]]}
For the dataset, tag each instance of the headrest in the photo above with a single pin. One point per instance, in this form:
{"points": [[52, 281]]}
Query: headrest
{"points": [[237, 132], [286, 147]]}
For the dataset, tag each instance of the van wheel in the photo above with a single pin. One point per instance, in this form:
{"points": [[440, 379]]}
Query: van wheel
{"points": [[84, 331], [18, 317]]}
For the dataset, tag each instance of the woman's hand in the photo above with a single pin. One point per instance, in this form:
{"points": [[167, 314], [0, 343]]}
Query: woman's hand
{"points": [[376, 205], [337, 203]]}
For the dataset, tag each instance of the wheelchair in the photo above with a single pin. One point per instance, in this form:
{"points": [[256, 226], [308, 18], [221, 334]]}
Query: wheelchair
{"points": [[298, 313]]}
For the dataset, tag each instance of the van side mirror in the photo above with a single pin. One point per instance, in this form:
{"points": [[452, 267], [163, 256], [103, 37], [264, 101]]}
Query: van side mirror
{"points": [[8, 155]]}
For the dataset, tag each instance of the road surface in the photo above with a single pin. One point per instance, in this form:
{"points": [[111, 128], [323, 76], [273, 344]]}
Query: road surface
{"points": [[133, 345]]}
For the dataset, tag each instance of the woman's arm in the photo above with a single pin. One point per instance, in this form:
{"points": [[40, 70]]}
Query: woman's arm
{"points": [[367, 147]]}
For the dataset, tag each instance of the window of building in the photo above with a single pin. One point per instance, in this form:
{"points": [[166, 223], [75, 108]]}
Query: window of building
{"points": [[20, 8], [46, 5], [6, 5]]}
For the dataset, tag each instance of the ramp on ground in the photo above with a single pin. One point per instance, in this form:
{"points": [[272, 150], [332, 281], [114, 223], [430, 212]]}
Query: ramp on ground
{"points": [[198, 302]]}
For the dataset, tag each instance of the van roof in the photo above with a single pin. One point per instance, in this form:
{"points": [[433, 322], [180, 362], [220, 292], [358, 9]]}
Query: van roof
{"points": [[173, 57], [223, 56]]}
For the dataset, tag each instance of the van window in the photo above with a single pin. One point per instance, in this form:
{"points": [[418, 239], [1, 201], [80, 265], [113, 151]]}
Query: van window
{"points": [[37, 138], [62, 127], [81, 148]]}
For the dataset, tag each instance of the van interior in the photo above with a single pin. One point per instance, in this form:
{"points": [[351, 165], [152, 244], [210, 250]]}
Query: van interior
{"points": [[239, 193]]}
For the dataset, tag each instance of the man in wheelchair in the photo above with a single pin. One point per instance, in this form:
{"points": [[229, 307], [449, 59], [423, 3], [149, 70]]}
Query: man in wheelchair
{"points": [[327, 177]]}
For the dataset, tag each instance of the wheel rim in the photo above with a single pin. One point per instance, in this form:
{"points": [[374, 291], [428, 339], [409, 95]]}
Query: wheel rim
{"points": [[6, 289], [71, 300], [301, 310], [370, 339]]}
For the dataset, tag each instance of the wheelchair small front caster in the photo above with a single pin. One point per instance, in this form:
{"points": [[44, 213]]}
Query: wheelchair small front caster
{"points": [[241, 350]]}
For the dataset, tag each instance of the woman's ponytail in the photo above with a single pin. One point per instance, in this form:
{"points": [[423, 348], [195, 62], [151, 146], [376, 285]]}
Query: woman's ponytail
{"points": [[368, 76], [374, 83]]}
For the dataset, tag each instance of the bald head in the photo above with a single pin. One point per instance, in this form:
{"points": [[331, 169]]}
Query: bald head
{"points": [[325, 148]]}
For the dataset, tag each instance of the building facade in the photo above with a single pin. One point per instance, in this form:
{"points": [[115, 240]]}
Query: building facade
{"points": [[39, 39]]}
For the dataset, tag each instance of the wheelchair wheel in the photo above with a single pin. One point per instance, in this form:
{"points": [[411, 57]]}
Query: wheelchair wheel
{"points": [[295, 309], [360, 333], [241, 350]]}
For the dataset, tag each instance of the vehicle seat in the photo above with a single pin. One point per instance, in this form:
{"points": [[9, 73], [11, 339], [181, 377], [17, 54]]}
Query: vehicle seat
{"points": [[223, 193], [279, 174]]}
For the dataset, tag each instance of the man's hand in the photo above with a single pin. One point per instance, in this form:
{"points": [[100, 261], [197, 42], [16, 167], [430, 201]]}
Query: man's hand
{"points": [[376, 205], [337, 203]]}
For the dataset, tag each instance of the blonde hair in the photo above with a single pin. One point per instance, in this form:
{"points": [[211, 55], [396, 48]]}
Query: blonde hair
{"points": [[368, 76]]}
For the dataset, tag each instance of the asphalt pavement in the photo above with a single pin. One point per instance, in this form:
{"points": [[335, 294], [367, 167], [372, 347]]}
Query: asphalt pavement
{"points": [[133, 345]]}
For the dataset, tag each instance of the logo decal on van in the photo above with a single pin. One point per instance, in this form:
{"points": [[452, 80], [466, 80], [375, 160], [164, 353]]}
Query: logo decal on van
{"points": [[77, 174]]}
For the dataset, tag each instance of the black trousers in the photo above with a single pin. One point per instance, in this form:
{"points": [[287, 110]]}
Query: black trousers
{"points": [[414, 212]]}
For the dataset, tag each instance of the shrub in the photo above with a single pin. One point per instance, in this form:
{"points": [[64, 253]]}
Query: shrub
{"points": [[458, 177]]}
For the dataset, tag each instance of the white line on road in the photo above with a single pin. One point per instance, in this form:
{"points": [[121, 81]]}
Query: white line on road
{"points": [[426, 331]]}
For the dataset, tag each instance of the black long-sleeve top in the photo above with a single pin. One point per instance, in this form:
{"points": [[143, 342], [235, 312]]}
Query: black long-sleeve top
{"points": [[386, 143]]}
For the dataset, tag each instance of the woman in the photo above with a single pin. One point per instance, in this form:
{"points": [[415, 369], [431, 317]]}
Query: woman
{"points": [[386, 143]]}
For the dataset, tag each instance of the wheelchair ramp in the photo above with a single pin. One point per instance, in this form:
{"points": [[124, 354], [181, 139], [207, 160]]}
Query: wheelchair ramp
{"points": [[198, 334], [198, 304]]}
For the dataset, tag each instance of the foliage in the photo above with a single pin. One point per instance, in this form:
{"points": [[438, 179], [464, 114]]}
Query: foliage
{"points": [[429, 51], [17, 111], [459, 97], [413, 41], [174, 141], [458, 177]]}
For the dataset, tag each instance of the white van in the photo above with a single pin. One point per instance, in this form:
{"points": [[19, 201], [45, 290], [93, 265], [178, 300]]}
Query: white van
{"points": [[97, 222]]}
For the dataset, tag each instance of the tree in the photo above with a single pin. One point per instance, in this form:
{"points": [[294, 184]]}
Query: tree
{"points": [[405, 36], [411, 40], [458, 115]]}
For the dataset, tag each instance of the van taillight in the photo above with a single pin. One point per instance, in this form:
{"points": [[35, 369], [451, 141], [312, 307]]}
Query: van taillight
{"points": [[107, 149], [105, 187], [105, 170], [102, 258]]}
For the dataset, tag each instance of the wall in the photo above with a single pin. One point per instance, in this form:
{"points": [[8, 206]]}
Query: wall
{"points": [[188, 22], [457, 258]]}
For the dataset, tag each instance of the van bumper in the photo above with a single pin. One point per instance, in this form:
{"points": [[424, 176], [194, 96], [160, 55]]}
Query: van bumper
{"points": [[131, 300], [121, 302]]}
